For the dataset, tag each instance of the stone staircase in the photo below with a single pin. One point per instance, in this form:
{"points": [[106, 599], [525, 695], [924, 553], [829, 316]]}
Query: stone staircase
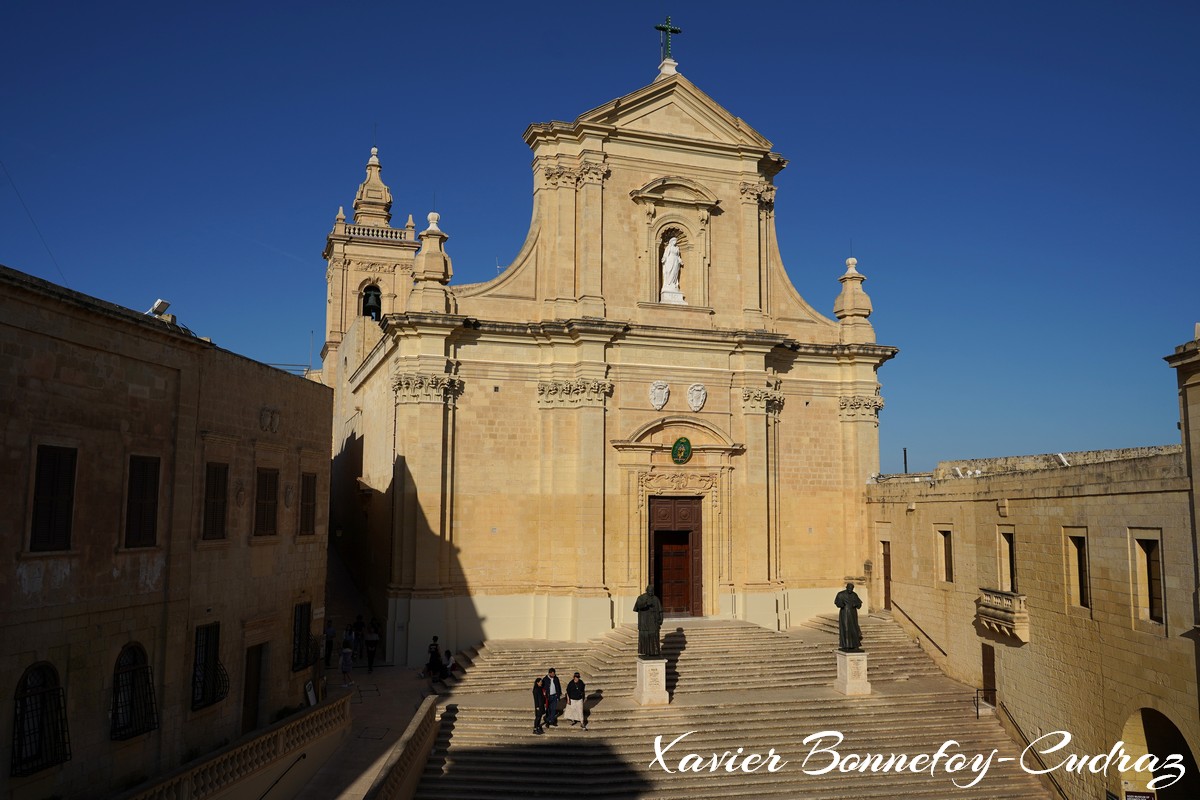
{"points": [[734, 685]]}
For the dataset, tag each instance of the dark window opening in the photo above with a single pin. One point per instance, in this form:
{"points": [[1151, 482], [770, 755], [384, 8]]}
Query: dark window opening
{"points": [[304, 645], [40, 738], [1154, 581], [133, 708], [216, 500], [266, 503], [141, 510], [53, 499], [210, 682]]}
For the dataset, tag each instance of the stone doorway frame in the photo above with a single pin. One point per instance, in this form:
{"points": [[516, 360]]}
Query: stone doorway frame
{"points": [[646, 470]]}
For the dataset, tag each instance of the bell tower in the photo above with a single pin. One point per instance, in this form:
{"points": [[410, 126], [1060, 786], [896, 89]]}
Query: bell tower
{"points": [[369, 265]]}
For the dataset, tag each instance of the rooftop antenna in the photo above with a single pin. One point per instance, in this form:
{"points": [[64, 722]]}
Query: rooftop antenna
{"points": [[375, 135], [499, 269]]}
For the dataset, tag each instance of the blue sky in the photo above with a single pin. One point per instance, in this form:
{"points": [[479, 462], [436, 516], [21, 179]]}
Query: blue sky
{"points": [[1018, 180]]}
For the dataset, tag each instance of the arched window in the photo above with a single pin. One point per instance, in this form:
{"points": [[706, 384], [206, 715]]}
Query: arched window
{"points": [[40, 722], [372, 303], [133, 709]]}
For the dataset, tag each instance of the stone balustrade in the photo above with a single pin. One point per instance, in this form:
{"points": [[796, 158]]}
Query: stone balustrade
{"points": [[372, 232], [402, 772], [217, 774], [1003, 612]]}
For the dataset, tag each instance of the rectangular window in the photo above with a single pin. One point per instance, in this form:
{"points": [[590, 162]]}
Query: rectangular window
{"points": [[1150, 579], [210, 682], [1008, 561], [1077, 566], [141, 510], [53, 499], [216, 499], [946, 556], [308, 504], [303, 653], [266, 502]]}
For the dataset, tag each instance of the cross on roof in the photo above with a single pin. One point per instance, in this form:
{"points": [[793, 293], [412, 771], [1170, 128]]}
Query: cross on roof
{"points": [[665, 39]]}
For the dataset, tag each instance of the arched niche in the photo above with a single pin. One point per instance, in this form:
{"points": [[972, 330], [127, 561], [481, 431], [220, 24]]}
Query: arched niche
{"points": [[680, 207]]}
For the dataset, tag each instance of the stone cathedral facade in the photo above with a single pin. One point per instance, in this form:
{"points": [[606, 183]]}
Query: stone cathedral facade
{"points": [[522, 457]]}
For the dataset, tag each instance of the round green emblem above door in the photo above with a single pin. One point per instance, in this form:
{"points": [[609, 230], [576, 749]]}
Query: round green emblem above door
{"points": [[681, 451]]}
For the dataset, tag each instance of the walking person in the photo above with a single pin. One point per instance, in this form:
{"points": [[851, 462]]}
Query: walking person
{"points": [[539, 704], [347, 662], [576, 692], [360, 633], [371, 642], [553, 693], [330, 636], [433, 664]]}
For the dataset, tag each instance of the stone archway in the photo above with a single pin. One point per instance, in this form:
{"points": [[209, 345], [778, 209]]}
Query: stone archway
{"points": [[1148, 732]]}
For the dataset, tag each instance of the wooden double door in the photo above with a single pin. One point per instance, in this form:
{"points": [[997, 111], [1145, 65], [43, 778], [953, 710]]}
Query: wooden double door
{"points": [[675, 554]]}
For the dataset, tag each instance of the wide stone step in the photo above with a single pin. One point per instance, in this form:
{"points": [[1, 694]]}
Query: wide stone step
{"points": [[484, 749]]}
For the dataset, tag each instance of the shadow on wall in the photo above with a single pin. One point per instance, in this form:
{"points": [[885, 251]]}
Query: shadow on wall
{"points": [[395, 559]]}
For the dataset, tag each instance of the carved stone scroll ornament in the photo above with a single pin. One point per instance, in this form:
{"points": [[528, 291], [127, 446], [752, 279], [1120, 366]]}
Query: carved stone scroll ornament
{"points": [[859, 407], [678, 482], [415, 387], [697, 395], [573, 393], [660, 392]]}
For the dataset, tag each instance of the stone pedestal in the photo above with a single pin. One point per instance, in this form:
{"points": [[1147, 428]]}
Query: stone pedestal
{"points": [[852, 673], [672, 296], [651, 687]]}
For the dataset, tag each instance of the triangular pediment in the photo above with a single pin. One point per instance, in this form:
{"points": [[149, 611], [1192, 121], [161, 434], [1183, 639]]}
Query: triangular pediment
{"points": [[675, 107]]}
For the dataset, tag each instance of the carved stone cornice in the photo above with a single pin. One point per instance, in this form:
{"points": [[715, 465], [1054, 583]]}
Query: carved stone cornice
{"points": [[768, 401], [573, 393], [859, 407], [761, 193], [415, 387]]}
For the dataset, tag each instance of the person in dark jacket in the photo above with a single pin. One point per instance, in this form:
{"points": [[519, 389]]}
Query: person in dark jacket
{"points": [[575, 693], [539, 705], [554, 694]]}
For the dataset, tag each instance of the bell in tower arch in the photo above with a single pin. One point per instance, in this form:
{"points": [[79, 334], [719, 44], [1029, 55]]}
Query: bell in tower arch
{"points": [[372, 305]]}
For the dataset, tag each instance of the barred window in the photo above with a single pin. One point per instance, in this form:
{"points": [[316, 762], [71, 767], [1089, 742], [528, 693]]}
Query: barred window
{"points": [[216, 499], [308, 503], [133, 709], [266, 502], [303, 650], [141, 511], [40, 737], [53, 499], [210, 682]]}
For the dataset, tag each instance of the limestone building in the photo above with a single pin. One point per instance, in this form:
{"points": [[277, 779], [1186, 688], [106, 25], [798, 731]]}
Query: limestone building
{"points": [[163, 509], [1065, 587], [641, 397]]}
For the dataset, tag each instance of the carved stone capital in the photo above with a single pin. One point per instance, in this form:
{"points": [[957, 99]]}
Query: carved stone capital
{"points": [[768, 401], [415, 387], [557, 176], [761, 193], [573, 393], [859, 407], [592, 173]]}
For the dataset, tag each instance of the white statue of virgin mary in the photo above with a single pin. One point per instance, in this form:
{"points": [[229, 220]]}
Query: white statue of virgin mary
{"points": [[671, 263]]}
